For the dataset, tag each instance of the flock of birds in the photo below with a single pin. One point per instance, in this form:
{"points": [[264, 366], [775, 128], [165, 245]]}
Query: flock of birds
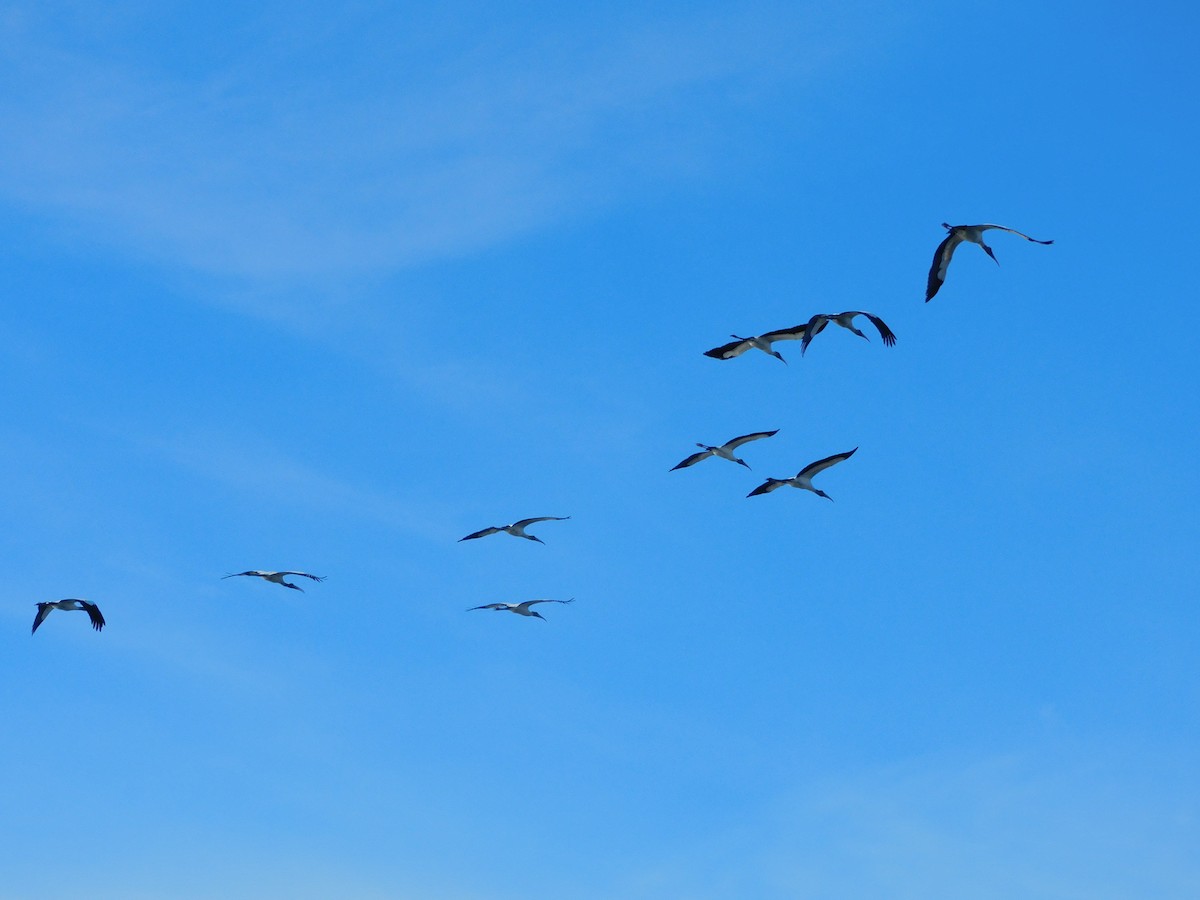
{"points": [[956, 234]]}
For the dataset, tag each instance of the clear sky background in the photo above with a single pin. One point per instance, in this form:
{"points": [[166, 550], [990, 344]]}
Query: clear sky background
{"points": [[329, 286]]}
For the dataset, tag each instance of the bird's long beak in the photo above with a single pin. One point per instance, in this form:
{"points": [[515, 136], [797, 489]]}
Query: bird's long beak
{"points": [[991, 254], [744, 463]]}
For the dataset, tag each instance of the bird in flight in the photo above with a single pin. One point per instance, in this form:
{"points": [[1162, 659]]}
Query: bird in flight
{"points": [[521, 609], [958, 234], [740, 345], [804, 477], [516, 529], [818, 322], [93, 611], [725, 451], [276, 577]]}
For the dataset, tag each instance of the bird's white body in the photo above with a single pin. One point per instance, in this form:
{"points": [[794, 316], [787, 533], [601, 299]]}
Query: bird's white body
{"points": [[277, 577], [725, 451], [763, 342], [846, 320], [516, 529], [803, 478], [69, 605], [957, 234], [521, 609]]}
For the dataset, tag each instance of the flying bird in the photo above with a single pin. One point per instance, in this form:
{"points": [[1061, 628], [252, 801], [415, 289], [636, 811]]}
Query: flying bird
{"points": [[93, 611], [958, 234], [277, 577], [521, 609], [804, 477], [740, 345], [818, 322], [725, 451], [516, 529]]}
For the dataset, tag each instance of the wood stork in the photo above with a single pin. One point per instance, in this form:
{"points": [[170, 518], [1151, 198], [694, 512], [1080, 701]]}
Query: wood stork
{"points": [[762, 342], [516, 529], [725, 451], [818, 322], [93, 611], [277, 577], [804, 477], [958, 234], [521, 609]]}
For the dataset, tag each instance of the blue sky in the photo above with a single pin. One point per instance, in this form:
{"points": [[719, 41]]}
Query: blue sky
{"points": [[304, 287]]}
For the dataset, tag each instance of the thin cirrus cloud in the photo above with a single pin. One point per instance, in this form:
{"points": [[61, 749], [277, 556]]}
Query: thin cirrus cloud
{"points": [[256, 168]]}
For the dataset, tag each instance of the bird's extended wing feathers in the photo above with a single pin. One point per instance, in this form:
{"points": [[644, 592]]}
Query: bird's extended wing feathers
{"points": [[483, 533], [1014, 231], [822, 464], [747, 438], [524, 522], [693, 459], [728, 351], [767, 486], [93, 612], [43, 611], [941, 260]]}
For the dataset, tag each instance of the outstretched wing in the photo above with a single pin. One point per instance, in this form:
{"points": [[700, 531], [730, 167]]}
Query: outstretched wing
{"points": [[251, 572], [524, 522], [795, 333], [728, 351], [478, 534], [747, 438], [93, 612], [814, 327], [767, 486], [941, 261], [693, 459], [43, 611], [490, 606], [303, 575], [532, 602], [889, 338], [821, 465], [1013, 231]]}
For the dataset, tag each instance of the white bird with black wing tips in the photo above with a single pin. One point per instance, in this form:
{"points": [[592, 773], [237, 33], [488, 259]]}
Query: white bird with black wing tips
{"points": [[959, 233], [763, 342], [93, 611], [804, 477], [521, 609], [276, 577], [725, 451], [846, 319], [516, 529]]}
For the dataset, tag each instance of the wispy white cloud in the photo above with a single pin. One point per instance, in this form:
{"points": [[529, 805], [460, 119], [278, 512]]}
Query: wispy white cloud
{"points": [[391, 152], [1085, 824], [264, 472], [1039, 825]]}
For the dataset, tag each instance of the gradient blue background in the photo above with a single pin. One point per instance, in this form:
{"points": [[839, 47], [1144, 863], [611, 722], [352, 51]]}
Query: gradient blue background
{"points": [[328, 286]]}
